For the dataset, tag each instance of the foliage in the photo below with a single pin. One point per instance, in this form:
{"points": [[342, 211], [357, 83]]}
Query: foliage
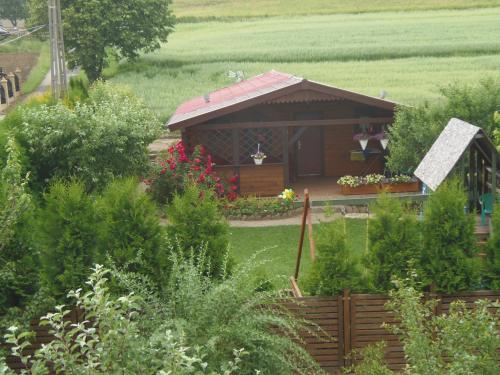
{"points": [[128, 27], [399, 179], [112, 340], [253, 206], [195, 223], [176, 169], [493, 252], [416, 128], [66, 236], [14, 198], [354, 181], [129, 231], [469, 337], [235, 313], [13, 10], [372, 361], [105, 137], [497, 129], [448, 252], [335, 267], [394, 242]]}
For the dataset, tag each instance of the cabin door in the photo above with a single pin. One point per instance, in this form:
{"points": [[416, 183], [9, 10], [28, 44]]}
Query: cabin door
{"points": [[310, 152]]}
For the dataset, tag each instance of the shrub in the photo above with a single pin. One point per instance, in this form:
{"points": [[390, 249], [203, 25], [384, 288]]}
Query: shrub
{"points": [[175, 170], [66, 237], [130, 231], [104, 137], [394, 242], [416, 128], [335, 268], [493, 252], [232, 313], [449, 242], [196, 223], [463, 341], [113, 341], [253, 206]]}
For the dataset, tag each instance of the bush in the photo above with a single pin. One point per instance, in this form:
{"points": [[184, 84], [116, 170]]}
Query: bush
{"points": [[448, 253], [463, 341], [113, 341], [493, 252], [104, 137], [335, 268], [416, 128], [253, 206], [394, 242], [196, 224], [175, 170], [66, 236], [231, 313], [130, 231]]}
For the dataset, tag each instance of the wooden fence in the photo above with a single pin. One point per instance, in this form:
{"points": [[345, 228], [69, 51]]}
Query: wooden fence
{"points": [[353, 321], [349, 321]]}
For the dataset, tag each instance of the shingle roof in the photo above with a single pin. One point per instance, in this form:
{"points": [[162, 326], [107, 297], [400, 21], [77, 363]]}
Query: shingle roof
{"points": [[261, 86], [446, 152], [239, 92]]}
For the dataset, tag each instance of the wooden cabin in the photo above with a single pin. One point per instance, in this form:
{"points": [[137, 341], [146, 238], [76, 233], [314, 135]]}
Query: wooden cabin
{"points": [[305, 129]]}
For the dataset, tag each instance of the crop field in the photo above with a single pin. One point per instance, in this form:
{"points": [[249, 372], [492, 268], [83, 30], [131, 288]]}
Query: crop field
{"points": [[409, 55], [213, 9]]}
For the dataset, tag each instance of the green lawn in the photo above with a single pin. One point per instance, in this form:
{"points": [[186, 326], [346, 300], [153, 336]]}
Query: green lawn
{"points": [[409, 55], [192, 9], [280, 244]]}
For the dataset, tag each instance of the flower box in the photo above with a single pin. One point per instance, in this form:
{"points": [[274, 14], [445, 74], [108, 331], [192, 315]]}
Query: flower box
{"points": [[404, 187], [361, 189]]}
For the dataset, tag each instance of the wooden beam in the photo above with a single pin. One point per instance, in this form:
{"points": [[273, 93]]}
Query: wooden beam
{"points": [[297, 123], [295, 288], [286, 161], [297, 135], [302, 232]]}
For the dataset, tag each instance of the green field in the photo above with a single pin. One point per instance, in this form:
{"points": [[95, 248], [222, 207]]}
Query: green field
{"points": [[280, 248], [409, 55], [196, 9]]}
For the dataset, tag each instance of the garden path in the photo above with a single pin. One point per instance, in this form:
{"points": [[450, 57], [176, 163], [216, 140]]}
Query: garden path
{"points": [[317, 217]]}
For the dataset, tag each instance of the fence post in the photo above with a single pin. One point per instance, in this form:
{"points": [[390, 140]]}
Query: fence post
{"points": [[346, 302]]}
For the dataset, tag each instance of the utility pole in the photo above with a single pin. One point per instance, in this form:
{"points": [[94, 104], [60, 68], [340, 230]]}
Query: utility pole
{"points": [[58, 77]]}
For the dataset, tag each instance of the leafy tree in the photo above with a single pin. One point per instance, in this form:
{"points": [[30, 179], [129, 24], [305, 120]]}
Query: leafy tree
{"points": [[13, 10], [100, 139], [66, 236], [448, 253], [93, 27], [130, 231], [394, 242], [416, 128], [197, 225], [335, 268]]}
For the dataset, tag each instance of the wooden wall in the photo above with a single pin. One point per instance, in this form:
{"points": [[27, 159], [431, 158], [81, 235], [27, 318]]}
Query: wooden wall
{"points": [[338, 144], [262, 180]]}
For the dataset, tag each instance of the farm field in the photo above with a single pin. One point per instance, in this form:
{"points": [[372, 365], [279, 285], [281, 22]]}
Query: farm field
{"points": [[409, 55], [278, 248], [192, 9]]}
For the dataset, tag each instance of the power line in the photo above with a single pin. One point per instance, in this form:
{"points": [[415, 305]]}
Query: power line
{"points": [[35, 29]]}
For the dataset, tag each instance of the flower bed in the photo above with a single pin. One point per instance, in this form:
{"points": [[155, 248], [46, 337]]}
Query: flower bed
{"points": [[375, 183]]}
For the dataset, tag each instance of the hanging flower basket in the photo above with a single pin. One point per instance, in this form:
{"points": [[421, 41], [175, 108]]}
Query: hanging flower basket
{"points": [[259, 156]]}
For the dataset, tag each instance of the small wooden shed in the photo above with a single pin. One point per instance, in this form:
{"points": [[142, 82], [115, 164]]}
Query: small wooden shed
{"points": [[305, 129]]}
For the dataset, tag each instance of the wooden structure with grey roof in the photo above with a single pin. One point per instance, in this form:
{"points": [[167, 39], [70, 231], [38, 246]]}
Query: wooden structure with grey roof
{"points": [[305, 129], [450, 148]]}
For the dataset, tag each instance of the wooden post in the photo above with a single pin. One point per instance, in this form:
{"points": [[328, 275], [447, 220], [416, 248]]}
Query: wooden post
{"points": [[312, 246], [346, 307], [3, 82], [286, 162], [302, 232], [12, 79]]}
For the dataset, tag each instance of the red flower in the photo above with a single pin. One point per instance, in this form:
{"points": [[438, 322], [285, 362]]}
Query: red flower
{"points": [[208, 170], [234, 188], [163, 171], [201, 178], [195, 168], [197, 160], [234, 179], [232, 196], [172, 166], [171, 150]]}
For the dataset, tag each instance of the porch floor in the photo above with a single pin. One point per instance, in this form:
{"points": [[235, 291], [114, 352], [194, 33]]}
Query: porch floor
{"points": [[326, 189]]}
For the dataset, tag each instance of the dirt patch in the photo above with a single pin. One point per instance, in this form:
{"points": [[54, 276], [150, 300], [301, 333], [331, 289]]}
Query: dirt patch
{"points": [[24, 60]]}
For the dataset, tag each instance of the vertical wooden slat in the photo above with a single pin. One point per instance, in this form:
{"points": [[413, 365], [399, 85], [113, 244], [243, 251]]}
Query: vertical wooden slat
{"points": [[346, 306], [341, 338]]}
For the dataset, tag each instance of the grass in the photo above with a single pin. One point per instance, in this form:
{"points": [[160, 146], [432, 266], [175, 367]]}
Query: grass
{"points": [[223, 9], [281, 243], [409, 55], [39, 71]]}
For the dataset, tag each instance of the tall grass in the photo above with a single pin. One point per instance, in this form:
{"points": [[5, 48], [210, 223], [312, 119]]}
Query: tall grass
{"points": [[192, 10]]}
